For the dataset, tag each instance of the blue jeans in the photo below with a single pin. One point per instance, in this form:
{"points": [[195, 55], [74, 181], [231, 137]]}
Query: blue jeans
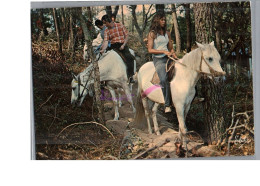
{"points": [[159, 64]]}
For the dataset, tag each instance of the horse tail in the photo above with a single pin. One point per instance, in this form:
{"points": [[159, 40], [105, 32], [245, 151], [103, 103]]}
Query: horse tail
{"points": [[139, 114]]}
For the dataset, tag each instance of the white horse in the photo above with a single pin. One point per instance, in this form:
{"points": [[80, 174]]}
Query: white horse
{"points": [[112, 71], [96, 42], [203, 60]]}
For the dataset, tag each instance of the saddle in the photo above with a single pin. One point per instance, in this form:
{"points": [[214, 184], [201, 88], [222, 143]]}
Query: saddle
{"points": [[170, 70]]}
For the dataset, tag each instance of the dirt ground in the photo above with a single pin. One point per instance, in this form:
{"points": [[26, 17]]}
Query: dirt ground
{"points": [[91, 141]]}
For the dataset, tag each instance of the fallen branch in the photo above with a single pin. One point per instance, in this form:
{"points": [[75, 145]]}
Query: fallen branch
{"points": [[44, 103], [84, 123], [229, 140], [112, 157], [67, 151], [55, 116], [42, 155], [152, 148]]}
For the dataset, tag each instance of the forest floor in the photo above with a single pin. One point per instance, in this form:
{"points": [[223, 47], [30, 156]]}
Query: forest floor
{"points": [[64, 133]]}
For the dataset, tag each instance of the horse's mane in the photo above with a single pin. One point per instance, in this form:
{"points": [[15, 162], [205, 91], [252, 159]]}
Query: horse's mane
{"points": [[191, 59]]}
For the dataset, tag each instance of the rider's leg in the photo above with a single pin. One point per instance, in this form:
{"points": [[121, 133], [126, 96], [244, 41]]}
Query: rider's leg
{"points": [[159, 64]]}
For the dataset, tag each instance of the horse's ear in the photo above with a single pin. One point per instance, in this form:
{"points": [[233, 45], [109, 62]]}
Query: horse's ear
{"points": [[74, 76], [212, 43], [200, 45]]}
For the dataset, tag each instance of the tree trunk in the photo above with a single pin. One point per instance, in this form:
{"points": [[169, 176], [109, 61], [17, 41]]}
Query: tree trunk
{"points": [[90, 25], [71, 33], [203, 22], [141, 31], [109, 11], [122, 8], [138, 29], [132, 26], [57, 27], [88, 41], [188, 27], [213, 106], [63, 23], [143, 14], [176, 30], [159, 8], [218, 13], [44, 28], [116, 10]]}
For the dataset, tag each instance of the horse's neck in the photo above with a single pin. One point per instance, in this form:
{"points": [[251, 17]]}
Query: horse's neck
{"points": [[87, 70], [188, 71], [192, 59]]}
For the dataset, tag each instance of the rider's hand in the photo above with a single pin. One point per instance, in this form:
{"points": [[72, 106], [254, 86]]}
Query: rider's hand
{"points": [[167, 53], [174, 55]]}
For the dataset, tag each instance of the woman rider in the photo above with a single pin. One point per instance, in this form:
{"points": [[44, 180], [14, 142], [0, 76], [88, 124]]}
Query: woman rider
{"points": [[160, 46]]}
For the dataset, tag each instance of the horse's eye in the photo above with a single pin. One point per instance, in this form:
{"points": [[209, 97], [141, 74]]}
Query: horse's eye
{"points": [[73, 88], [210, 59]]}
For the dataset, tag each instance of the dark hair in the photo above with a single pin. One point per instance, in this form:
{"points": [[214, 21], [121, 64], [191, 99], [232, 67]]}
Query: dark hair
{"points": [[155, 24], [106, 19], [98, 23], [113, 15]]}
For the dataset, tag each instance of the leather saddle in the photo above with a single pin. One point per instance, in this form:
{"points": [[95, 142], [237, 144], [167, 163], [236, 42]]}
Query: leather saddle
{"points": [[170, 70]]}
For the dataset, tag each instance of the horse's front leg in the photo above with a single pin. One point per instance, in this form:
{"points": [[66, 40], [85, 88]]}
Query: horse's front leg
{"points": [[182, 126], [114, 98]]}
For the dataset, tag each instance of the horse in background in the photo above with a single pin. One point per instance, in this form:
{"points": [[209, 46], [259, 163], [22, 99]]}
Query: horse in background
{"points": [[96, 44], [112, 71]]}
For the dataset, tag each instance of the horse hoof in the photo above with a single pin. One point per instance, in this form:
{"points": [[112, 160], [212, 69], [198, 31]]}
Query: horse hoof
{"points": [[115, 119]]}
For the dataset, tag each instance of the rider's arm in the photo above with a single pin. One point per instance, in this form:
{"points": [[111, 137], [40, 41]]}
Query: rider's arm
{"points": [[105, 41], [151, 37], [104, 46]]}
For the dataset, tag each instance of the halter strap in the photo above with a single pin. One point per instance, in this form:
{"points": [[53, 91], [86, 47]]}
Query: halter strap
{"points": [[84, 86]]}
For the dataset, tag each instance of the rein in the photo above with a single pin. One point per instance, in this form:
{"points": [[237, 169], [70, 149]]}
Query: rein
{"points": [[212, 73], [84, 86]]}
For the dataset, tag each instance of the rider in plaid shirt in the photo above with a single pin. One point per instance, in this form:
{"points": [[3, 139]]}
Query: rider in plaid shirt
{"points": [[117, 34]]}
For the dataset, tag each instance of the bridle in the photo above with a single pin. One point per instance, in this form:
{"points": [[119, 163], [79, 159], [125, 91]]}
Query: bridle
{"points": [[212, 73], [78, 81], [84, 86]]}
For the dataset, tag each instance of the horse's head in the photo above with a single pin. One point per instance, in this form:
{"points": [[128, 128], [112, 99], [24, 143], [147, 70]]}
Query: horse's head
{"points": [[80, 88], [210, 61]]}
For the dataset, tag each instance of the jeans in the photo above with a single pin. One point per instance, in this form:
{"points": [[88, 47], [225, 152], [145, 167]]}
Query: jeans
{"points": [[129, 58], [159, 64]]}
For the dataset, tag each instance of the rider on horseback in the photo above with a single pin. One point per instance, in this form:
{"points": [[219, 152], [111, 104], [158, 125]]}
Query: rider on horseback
{"points": [[117, 34], [160, 45], [102, 28]]}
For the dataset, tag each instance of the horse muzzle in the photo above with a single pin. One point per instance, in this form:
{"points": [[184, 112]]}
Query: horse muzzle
{"points": [[220, 79]]}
